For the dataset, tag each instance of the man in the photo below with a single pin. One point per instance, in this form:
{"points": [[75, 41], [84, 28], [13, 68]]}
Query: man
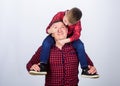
{"points": [[63, 61], [71, 18]]}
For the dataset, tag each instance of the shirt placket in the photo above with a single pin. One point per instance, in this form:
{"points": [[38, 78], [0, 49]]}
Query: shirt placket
{"points": [[63, 61]]}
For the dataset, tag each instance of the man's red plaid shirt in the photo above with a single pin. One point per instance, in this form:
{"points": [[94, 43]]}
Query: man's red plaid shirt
{"points": [[62, 67]]}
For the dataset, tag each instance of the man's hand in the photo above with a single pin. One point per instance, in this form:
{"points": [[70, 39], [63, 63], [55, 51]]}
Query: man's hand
{"points": [[92, 69], [35, 67]]}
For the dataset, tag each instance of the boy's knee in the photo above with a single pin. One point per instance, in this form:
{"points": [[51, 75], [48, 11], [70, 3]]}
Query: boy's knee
{"points": [[79, 45]]}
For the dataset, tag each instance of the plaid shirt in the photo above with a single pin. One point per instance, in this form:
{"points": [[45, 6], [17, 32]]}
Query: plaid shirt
{"points": [[62, 67], [74, 31]]}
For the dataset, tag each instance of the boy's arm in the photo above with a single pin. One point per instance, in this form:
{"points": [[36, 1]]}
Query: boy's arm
{"points": [[55, 18], [77, 32], [75, 36], [34, 60]]}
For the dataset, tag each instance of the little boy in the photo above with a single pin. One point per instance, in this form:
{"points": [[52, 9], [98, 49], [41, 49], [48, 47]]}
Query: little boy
{"points": [[71, 18]]}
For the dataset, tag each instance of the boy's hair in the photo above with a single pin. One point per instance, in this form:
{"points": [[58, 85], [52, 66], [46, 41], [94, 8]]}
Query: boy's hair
{"points": [[74, 15]]}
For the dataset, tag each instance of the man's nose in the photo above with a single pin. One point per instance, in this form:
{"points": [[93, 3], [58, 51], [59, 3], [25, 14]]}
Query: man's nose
{"points": [[59, 30]]}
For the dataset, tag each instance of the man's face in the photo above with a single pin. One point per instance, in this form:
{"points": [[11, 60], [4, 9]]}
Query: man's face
{"points": [[61, 32]]}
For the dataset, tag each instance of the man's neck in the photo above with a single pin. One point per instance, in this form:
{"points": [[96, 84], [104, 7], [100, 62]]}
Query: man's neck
{"points": [[59, 45]]}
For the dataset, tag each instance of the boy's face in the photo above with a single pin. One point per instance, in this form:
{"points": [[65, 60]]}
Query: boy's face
{"points": [[65, 19]]}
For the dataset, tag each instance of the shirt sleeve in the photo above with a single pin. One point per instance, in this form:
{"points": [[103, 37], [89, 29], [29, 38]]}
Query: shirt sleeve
{"points": [[76, 32], [57, 17], [89, 60], [34, 60]]}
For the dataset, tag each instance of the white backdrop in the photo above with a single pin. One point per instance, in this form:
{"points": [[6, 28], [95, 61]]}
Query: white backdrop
{"points": [[22, 30]]}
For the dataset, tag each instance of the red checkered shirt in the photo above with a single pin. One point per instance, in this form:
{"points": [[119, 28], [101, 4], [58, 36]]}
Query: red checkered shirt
{"points": [[74, 31], [62, 67]]}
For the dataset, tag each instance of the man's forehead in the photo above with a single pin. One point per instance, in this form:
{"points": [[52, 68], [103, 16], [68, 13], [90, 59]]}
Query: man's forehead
{"points": [[60, 22]]}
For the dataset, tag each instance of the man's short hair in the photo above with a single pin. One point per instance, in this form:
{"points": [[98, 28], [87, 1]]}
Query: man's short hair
{"points": [[58, 21]]}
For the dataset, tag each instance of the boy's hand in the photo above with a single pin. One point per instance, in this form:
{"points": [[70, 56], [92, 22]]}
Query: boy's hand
{"points": [[52, 29], [62, 42]]}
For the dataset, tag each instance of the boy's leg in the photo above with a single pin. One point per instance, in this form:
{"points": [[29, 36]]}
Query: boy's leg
{"points": [[45, 51], [44, 55], [79, 47], [82, 56]]}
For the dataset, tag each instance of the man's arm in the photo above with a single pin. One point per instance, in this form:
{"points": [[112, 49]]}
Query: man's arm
{"points": [[92, 68], [89, 60], [34, 60]]}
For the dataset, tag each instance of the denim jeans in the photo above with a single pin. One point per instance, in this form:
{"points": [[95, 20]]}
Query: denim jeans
{"points": [[46, 46], [78, 45]]}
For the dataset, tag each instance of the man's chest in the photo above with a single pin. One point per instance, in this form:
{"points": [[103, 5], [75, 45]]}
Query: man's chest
{"points": [[66, 56]]}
